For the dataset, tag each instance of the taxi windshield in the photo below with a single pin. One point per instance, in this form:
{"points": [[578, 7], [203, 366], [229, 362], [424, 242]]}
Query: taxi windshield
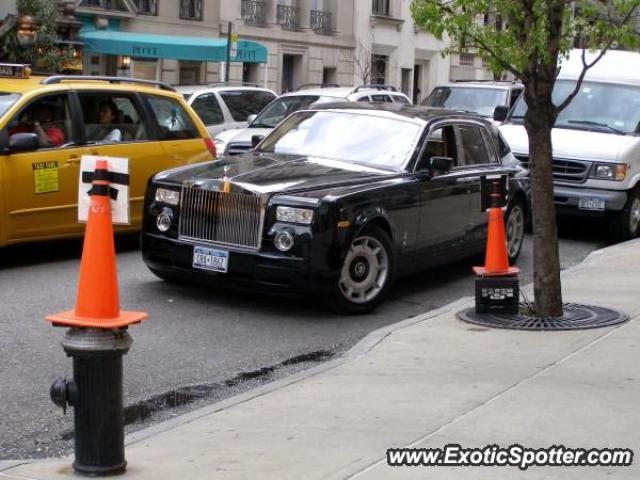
{"points": [[7, 100]]}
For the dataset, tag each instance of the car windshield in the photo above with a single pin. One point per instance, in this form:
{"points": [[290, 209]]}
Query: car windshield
{"points": [[7, 100], [242, 103], [373, 140], [277, 110], [482, 101], [605, 107]]}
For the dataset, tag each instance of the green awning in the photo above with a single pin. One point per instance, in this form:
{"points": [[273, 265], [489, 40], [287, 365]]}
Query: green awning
{"points": [[175, 47]]}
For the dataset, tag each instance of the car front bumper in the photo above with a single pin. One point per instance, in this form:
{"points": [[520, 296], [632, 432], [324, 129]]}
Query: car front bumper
{"points": [[567, 200], [272, 273]]}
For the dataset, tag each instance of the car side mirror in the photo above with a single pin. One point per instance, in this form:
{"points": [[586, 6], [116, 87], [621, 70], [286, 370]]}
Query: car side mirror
{"points": [[500, 113], [23, 142], [251, 118], [440, 164], [255, 140]]}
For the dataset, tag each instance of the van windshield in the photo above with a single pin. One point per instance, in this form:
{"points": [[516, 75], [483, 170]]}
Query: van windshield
{"points": [[602, 107], [7, 100]]}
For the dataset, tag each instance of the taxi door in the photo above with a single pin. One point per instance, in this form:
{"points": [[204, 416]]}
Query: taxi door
{"points": [[40, 186]]}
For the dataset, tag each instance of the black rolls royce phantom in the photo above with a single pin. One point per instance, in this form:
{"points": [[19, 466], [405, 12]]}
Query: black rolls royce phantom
{"points": [[336, 202]]}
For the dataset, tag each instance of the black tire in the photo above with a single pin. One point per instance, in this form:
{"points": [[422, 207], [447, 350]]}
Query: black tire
{"points": [[515, 221], [625, 224], [363, 264]]}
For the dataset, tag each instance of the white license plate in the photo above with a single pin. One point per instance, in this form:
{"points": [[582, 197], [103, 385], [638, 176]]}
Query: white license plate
{"points": [[210, 259], [591, 203]]}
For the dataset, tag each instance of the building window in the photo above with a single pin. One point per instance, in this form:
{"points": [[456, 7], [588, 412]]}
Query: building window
{"points": [[106, 4], [329, 75], [380, 7], [191, 9], [466, 58], [378, 69], [253, 12], [146, 7]]}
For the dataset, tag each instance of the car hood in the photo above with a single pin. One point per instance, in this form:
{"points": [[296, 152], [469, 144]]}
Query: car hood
{"points": [[244, 135], [269, 173], [568, 143]]}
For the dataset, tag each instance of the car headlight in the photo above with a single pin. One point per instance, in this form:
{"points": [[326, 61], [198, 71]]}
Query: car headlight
{"points": [[609, 171], [294, 215], [221, 145], [170, 197], [164, 220]]}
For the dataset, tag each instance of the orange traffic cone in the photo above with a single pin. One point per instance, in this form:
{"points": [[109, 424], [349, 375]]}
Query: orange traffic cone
{"points": [[97, 304], [496, 262]]}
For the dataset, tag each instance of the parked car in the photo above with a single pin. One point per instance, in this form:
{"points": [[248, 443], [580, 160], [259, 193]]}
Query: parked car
{"points": [[336, 202], [491, 99], [48, 123], [596, 147], [223, 107], [234, 142]]}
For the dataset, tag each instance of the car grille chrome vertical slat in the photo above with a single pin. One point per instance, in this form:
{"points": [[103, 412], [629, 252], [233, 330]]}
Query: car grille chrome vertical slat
{"points": [[227, 218]]}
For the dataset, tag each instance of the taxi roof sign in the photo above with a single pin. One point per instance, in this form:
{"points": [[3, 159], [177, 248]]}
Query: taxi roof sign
{"points": [[14, 70]]}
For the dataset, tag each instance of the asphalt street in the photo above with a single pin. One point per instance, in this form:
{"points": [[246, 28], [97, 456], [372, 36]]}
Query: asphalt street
{"points": [[199, 345]]}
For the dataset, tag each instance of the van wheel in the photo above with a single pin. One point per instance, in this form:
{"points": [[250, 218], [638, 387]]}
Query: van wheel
{"points": [[366, 274], [625, 225]]}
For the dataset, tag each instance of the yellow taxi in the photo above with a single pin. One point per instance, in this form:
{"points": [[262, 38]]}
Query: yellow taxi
{"points": [[48, 123]]}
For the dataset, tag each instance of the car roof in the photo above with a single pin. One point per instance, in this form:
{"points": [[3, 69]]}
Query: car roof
{"points": [[193, 89], [615, 66], [482, 84], [419, 112], [339, 92]]}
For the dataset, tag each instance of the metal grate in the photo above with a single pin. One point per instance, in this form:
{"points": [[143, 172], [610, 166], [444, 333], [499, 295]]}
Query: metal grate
{"points": [[575, 171], [218, 217], [574, 317]]}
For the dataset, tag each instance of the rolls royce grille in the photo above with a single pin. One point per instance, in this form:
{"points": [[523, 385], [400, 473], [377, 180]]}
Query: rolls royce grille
{"points": [[228, 218], [564, 169]]}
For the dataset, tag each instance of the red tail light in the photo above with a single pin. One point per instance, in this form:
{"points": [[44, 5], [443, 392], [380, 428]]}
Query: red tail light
{"points": [[211, 146]]}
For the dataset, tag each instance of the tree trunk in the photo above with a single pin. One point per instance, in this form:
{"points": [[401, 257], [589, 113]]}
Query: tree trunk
{"points": [[538, 122]]}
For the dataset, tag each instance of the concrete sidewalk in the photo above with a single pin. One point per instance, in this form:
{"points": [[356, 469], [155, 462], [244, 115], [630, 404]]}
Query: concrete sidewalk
{"points": [[426, 382]]}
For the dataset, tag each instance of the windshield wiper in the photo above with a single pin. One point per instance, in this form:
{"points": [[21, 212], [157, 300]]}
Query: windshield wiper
{"points": [[596, 124]]}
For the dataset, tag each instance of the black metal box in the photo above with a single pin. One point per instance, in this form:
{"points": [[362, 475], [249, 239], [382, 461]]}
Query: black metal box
{"points": [[497, 294]]}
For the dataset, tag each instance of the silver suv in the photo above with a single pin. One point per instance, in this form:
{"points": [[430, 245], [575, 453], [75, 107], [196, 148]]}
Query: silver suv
{"points": [[491, 99], [234, 142], [223, 106]]}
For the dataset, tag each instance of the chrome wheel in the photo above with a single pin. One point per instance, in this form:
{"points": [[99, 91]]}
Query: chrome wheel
{"points": [[365, 270], [634, 216], [515, 230]]}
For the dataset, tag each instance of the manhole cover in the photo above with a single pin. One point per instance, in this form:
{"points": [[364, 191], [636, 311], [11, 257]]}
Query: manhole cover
{"points": [[575, 317]]}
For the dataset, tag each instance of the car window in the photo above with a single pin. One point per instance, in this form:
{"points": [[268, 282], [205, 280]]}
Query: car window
{"points": [[364, 99], [441, 142], [208, 109], [48, 117], [7, 100], [242, 103], [381, 98], [515, 93], [111, 118], [473, 147], [479, 100], [280, 108], [172, 120], [400, 99]]}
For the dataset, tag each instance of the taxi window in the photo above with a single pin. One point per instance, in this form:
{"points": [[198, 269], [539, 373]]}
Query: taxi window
{"points": [[48, 117], [111, 118], [7, 100], [173, 121]]}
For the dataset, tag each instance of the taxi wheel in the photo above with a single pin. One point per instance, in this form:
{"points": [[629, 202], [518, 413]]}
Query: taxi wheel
{"points": [[366, 274]]}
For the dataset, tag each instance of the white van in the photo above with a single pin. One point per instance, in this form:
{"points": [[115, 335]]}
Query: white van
{"points": [[596, 142]]}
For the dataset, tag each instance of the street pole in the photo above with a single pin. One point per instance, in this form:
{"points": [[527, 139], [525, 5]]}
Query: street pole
{"points": [[226, 68]]}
